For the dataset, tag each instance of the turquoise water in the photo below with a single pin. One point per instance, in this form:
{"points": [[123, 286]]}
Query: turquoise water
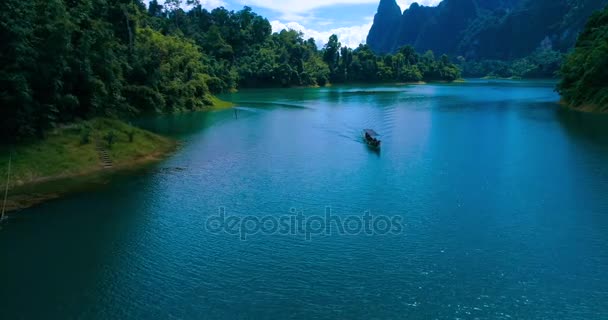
{"points": [[503, 201]]}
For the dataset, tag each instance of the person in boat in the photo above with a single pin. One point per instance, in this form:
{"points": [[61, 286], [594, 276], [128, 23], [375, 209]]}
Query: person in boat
{"points": [[370, 138]]}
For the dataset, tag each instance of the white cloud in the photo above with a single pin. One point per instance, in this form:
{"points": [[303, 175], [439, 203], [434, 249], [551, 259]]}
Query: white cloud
{"points": [[300, 6], [405, 4], [212, 4], [296, 8], [207, 4], [348, 36]]}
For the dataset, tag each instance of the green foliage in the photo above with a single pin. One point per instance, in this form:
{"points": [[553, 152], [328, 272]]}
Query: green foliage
{"points": [[541, 64], [584, 75], [85, 134], [61, 153], [173, 67], [362, 65], [110, 138], [495, 38], [63, 60], [504, 30], [240, 51], [131, 135]]}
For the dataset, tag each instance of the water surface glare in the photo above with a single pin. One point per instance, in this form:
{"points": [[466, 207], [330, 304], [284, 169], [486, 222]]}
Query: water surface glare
{"points": [[503, 200]]}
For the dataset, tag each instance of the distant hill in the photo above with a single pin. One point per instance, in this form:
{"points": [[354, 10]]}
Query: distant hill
{"points": [[482, 29]]}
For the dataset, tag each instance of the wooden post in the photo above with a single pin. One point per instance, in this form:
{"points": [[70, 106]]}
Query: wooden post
{"points": [[8, 176]]}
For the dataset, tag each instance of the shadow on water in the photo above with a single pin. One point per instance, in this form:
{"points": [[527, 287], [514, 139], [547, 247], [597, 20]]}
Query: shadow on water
{"points": [[107, 245], [261, 104], [372, 150], [23, 197], [177, 125], [585, 126]]}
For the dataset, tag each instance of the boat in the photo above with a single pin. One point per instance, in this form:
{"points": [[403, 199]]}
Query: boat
{"points": [[371, 138]]}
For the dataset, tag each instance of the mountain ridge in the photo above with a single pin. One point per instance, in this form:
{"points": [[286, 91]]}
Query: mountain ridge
{"points": [[389, 13], [476, 29]]}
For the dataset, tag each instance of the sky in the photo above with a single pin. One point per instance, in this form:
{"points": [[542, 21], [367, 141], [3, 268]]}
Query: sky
{"points": [[319, 19]]}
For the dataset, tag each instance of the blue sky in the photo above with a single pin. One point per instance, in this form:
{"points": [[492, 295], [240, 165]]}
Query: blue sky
{"points": [[349, 19]]}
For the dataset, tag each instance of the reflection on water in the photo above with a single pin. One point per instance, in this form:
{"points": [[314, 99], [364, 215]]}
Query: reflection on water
{"points": [[585, 126], [177, 124]]}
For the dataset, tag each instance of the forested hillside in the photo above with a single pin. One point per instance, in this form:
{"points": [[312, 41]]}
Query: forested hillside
{"points": [[584, 83], [64, 60], [488, 29], [523, 38]]}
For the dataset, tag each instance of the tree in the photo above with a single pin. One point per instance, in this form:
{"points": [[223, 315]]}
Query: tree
{"points": [[409, 54], [584, 74], [64, 60], [331, 54], [174, 8]]}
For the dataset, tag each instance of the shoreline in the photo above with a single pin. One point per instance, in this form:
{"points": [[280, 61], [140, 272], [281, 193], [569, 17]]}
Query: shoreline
{"points": [[35, 193], [31, 188], [354, 83], [58, 165], [585, 108]]}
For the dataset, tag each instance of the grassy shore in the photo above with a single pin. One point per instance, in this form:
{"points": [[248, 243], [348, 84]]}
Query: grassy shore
{"points": [[70, 152], [219, 104]]}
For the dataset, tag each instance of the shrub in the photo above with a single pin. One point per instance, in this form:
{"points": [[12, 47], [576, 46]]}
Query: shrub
{"points": [[131, 135], [110, 138], [85, 135]]}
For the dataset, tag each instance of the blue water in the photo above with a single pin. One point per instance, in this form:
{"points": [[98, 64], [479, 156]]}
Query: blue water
{"points": [[503, 200]]}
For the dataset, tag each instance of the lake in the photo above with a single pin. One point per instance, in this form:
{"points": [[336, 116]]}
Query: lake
{"points": [[486, 201]]}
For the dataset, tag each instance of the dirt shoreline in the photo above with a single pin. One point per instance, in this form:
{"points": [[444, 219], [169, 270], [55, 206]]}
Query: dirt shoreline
{"points": [[585, 108]]}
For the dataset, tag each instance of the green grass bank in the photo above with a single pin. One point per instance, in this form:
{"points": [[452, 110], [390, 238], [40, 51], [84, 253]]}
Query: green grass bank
{"points": [[69, 155]]}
